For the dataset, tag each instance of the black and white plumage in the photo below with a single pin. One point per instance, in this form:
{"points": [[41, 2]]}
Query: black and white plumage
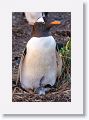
{"points": [[40, 63], [33, 17]]}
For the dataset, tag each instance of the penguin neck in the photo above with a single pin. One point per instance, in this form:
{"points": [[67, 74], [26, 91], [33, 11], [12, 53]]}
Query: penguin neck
{"points": [[40, 30]]}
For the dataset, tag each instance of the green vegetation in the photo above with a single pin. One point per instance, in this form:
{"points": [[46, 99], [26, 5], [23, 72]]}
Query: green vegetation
{"points": [[66, 59]]}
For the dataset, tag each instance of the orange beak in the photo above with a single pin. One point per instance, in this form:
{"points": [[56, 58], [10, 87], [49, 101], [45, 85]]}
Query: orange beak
{"points": [[56, 23]]}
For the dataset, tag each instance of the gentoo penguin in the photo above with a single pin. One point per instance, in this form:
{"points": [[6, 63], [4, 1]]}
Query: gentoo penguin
{"points": [[33, 17], [39, 65]]}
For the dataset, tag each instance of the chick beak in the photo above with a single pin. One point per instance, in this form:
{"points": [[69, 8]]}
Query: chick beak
{"points": [[55, 23]]}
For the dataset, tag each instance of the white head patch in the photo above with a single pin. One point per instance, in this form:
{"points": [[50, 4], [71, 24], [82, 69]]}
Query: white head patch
{"points": [[40, 19]]}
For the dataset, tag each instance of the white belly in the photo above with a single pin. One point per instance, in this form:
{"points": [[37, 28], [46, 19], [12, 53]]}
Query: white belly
{"points": [[40, 61]]}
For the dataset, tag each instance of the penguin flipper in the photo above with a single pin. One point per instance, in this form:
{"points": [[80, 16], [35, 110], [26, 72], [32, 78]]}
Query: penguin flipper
{"points": [[20, 65]]}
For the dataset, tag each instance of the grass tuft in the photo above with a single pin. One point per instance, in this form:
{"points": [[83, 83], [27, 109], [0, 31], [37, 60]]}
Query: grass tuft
{"points": [[66, 59]]}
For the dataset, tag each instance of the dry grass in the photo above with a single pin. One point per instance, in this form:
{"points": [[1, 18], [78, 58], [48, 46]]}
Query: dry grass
{"points": [[62, 94]]}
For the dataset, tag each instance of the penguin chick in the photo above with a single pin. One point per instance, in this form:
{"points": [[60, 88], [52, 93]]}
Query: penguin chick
{"points": [[39, 60], [42, 90]]}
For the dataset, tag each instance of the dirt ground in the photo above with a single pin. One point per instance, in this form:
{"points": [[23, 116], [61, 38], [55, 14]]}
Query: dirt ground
{"points": [[21, 33]]}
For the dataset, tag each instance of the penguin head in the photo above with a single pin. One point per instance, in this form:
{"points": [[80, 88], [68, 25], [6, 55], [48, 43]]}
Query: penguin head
{"points": [[43, 28], [45, 25], [42, 25]]}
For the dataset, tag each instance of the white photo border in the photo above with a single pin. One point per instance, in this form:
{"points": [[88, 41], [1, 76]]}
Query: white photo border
{"points": [[76, 104]]}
